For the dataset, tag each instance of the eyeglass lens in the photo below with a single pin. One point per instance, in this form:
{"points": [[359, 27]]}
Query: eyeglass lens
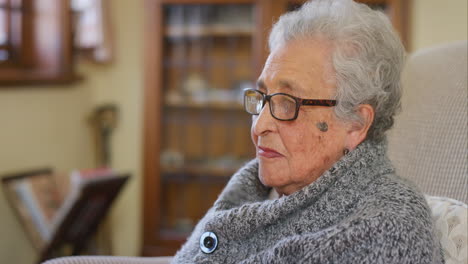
{"points": [[281, 106], [253, 102]]}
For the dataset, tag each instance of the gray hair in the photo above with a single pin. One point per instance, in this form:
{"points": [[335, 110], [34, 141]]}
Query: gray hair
{"points": [[367, 56]]}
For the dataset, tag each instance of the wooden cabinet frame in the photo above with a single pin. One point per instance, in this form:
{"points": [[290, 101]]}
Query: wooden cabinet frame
{"points": [[153, 99]]}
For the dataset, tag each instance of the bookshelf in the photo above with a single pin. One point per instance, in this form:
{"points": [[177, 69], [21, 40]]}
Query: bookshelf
{"points": [[199, 56]]}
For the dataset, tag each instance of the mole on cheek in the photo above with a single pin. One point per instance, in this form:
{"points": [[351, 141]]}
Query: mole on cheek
{"points": [[322, 126]]}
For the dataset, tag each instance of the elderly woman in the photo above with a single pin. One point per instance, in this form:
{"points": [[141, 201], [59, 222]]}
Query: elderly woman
{"points": [[327, 94]]}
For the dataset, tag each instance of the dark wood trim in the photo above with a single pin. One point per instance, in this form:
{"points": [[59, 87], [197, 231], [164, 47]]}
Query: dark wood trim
{"points": [[267, 13], [150, 250], [20, 35], [18, 80], [152, 116], [66, 61], [27, 53], [153, 242], [5, 178]]}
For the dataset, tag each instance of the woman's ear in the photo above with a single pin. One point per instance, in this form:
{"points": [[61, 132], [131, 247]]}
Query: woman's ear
{"points": [[358, 131]]}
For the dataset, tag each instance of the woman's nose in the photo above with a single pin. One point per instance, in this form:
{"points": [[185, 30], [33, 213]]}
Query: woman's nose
{"points": [[263, 122]]}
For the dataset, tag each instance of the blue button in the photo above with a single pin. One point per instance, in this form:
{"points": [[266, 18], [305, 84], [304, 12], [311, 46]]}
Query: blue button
{"points": [[208, 242]]}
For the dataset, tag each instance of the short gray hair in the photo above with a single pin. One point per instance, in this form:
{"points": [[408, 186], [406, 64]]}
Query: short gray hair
{"points": [[368, 56]]}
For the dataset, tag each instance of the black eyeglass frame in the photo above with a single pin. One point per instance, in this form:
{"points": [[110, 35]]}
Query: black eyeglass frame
{"points": [[299, 102]]}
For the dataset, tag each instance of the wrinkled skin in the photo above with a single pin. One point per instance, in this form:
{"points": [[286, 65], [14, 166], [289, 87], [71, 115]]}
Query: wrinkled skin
{"points": [[303, 69]]}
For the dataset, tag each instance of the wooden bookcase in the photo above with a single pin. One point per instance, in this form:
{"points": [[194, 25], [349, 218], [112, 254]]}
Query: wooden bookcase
{"points": [[199, 56]]}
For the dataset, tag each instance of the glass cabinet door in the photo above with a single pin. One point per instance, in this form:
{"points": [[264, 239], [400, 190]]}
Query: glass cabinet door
{"points": [[207, 63]]}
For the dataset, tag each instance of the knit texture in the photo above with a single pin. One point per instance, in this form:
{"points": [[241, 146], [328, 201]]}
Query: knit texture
{"points": [[358, 211]]}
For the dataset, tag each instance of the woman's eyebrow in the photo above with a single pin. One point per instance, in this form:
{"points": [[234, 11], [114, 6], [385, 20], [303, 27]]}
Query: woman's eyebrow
{"points": [[285, 84], [288, 85]]}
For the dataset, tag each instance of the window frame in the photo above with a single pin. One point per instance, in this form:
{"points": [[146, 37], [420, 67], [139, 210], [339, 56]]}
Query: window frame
{"points": [[5, 7], [40, 44]]}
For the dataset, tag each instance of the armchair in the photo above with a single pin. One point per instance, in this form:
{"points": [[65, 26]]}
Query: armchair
{"points": [[428, 146]]}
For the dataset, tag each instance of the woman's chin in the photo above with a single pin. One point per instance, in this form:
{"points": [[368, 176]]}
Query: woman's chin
{"points": [[269, 179]]}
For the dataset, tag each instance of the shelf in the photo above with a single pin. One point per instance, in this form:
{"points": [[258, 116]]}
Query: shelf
{"points": [[208, 63], [173, 235], [207, 31], [213, 105], [197, 173]]}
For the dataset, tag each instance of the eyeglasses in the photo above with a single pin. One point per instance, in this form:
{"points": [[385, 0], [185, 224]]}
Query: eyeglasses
{"points": [[283, 107]]}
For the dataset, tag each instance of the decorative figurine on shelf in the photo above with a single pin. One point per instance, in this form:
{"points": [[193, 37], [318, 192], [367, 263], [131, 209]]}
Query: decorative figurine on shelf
{"points": [[196, 87], [103, 121], [174, 97], [172, 159]]}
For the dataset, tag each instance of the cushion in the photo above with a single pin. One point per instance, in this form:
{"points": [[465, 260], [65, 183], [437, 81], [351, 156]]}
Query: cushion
{"points": [[450, 218]]}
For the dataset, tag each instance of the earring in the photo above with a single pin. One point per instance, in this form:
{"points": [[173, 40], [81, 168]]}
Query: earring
{"points": [[345, 151]]}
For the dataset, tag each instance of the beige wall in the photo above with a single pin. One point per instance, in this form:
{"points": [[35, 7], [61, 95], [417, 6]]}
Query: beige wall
{"points": [[435, 22], [38, 127], [123, 84], [47, 125]]}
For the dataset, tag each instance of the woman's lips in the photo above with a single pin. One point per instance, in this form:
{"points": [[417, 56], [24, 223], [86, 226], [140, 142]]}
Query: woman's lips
{"points": [[268, 153]]}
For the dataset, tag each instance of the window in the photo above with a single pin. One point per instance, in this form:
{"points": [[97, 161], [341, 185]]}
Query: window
{"points": [[7, 15], [4, 32], [15, 32], [35, 42], [92, 30]]}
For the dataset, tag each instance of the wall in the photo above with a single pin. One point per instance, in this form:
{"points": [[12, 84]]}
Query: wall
{"points": [[435, 22], [47, 125], [123, 85], [40, 127]]}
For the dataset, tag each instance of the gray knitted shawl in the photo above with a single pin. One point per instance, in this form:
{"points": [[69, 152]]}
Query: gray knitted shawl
{"points": [[358, 211]]}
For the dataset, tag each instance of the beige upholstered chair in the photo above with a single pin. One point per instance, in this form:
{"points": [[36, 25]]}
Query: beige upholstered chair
{"points": [[109, 260], [429, 141], [428, 145]]}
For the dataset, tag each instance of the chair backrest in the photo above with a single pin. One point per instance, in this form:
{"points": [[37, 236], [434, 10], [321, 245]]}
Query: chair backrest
{"points": [[109, 260], [428, 144]]}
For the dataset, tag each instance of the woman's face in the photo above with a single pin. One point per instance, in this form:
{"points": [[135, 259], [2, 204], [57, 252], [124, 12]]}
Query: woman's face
{"points": [[293, 154]]}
